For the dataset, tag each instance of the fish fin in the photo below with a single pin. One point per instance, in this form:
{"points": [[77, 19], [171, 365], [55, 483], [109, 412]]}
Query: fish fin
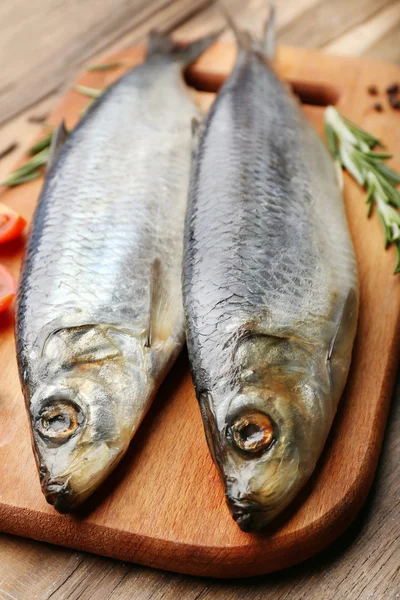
{"points": [[344, 322], [160, 43], [159, 326], [205, 400], [196, 124], [59, 136], [269, 33], [248, 43]]}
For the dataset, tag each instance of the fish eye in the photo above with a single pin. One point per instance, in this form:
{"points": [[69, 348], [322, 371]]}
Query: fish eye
{"points": [[59, 420], [252, 432]]}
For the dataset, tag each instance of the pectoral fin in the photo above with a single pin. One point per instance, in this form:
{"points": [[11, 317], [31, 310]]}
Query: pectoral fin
{"points": [[345, 324], [59, 136], [161, 310]]}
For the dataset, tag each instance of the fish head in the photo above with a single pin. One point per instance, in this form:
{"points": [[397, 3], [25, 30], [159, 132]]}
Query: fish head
{"points": [[82, 415], [265, 438], [75, 433], [264, 459]]}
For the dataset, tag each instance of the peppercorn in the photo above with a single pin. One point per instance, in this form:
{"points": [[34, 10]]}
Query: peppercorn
{"points": [[393, 88]]}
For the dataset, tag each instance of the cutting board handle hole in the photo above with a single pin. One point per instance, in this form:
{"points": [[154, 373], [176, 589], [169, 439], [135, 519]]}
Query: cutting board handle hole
{"points": [[316, 94]]}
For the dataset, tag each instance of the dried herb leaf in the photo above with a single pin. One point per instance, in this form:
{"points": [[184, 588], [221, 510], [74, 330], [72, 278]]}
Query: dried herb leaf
{"points": [[105, 66], [88, 91]]}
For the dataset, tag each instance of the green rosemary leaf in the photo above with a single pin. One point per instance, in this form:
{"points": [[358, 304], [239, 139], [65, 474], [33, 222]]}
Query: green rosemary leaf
{"points": [[378, 155], [351, 164], [41, 144], [369, 197], [386, 231], [15, 179], [388, 173], [88, 91], [331, 139], [358, 132], [27, 169], [105, 66], [397, 266], [353, 148], [392, 194]]}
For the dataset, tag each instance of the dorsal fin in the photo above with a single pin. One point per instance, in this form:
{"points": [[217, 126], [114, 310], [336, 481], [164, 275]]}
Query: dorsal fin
{"points": [[161, 43], [249, 43], [196, 125], [59, 136], [269, 33]]}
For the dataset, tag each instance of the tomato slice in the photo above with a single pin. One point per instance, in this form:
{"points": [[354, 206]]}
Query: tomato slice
{"points": [[11, 224], [8, 288]]}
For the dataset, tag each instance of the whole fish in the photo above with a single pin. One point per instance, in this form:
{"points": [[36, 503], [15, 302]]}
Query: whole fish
{"points": [[270, 288], [100, 314]]}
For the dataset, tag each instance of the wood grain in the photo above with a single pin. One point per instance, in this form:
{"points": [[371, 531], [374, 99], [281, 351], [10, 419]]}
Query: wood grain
{"points": [[346, 569], [60, 36], [325, 21], [43, 43], [363, 564], [371, 32], [167, 509]]}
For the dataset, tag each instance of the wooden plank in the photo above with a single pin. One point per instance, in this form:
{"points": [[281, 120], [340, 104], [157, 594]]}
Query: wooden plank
{"points": [[134, 518], [26, 567], [250, 15], [64, 35], [361, 565], [63, 38], [374, 31], [328, 20], [197, 21], [22, 132], [388, 45], [336, 572]]}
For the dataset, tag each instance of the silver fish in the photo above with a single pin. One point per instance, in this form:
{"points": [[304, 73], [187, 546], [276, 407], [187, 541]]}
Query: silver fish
{"points": [[100, 315], [270, 288]]}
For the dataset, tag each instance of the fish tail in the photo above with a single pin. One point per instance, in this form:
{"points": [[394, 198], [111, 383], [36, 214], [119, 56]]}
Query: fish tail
{"points": [[247, 42], [269, 34], [161, 43]]}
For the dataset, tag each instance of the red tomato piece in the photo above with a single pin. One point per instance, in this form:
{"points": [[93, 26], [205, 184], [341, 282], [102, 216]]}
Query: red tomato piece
{"points": [[11, 224], [8, 288]]}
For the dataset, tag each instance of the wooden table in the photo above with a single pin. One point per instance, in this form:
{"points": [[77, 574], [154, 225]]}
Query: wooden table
{"points": [[42, 45]]}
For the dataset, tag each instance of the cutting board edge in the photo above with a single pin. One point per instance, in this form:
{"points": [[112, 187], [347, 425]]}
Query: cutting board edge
{"points": [[343, 513], [233, 561]]}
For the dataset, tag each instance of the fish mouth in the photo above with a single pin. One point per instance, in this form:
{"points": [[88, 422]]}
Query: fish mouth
{"points": [[251, 521], [60, 495], [248, 515]]}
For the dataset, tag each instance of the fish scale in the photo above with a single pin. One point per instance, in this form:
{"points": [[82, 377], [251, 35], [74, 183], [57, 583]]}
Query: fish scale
{"points": [[100, 315], [269, 282]]}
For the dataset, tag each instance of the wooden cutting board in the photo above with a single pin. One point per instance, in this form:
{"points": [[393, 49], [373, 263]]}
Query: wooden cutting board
{"points": [[164, 505]]}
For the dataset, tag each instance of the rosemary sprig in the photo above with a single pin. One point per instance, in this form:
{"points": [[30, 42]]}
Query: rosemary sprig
{"points": [[40, 150], [353, 148], [41, 144], [16, 179], [28, 171]]}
